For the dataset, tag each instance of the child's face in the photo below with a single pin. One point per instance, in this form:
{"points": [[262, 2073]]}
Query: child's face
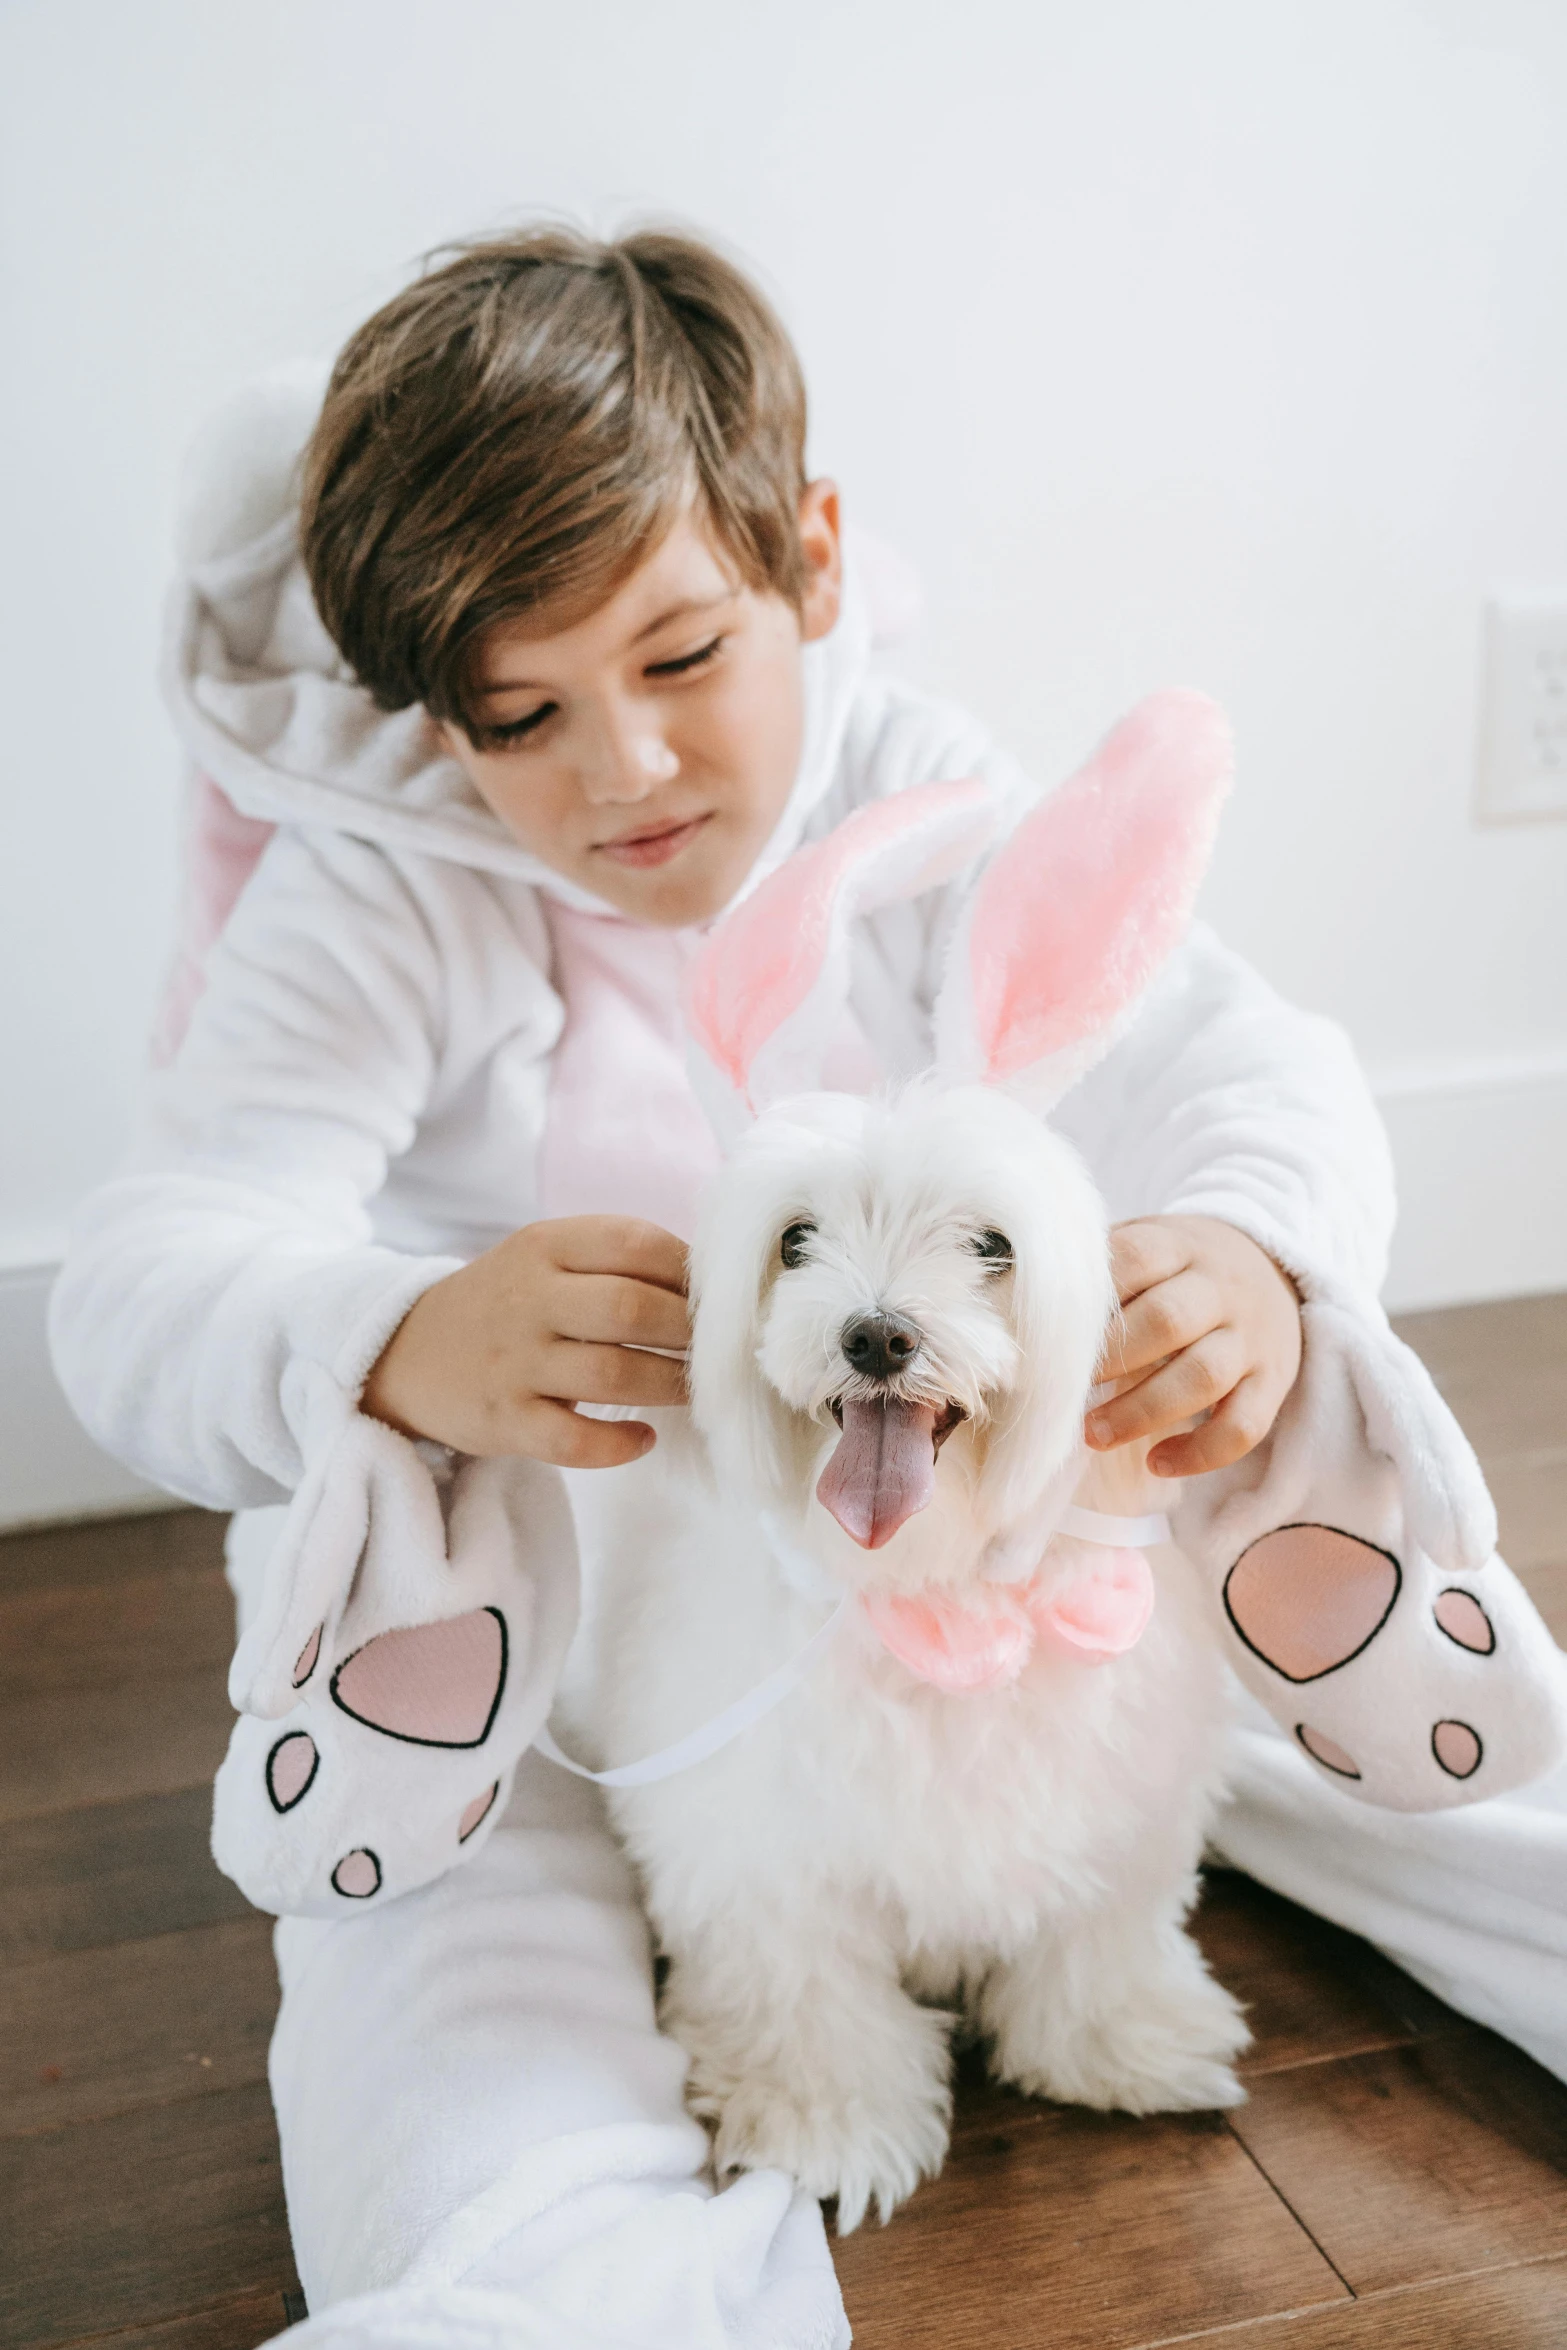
{"points": [[647, 753]]}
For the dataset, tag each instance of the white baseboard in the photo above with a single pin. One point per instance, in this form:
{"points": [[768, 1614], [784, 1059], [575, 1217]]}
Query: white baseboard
{"points": [[50, 1468], [1481, 1151]]}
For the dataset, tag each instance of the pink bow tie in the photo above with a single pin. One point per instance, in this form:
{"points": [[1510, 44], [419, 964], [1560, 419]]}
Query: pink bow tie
{"points": [[959, 1647]]}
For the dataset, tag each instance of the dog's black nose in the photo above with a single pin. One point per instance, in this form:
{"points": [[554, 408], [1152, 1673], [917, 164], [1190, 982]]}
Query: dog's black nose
{"points": [[878, 1345]]}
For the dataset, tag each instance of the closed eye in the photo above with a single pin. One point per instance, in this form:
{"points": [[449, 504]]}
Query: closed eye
{"points": [[686, 661], [515, 730]]}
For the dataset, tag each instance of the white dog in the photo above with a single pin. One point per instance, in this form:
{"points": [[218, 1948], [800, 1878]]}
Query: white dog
{"points": [[899, 1304]]}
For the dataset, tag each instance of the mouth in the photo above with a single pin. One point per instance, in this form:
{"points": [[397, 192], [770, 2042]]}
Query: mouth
{"points": [[652, 844], [883, 1468]]}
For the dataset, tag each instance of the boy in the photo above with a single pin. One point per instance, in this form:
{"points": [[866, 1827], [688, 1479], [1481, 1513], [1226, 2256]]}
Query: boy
{"points": [[557, 653]]}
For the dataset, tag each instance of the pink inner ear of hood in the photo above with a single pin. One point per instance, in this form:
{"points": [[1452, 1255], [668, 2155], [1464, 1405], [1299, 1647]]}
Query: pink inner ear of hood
{"points": [[883, 1468]]}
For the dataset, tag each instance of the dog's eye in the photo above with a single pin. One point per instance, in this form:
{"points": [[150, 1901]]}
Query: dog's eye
{"points": [[995, 1248], [792, 1247]]}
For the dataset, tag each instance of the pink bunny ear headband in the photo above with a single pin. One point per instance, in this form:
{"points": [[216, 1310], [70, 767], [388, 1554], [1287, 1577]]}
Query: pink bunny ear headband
{"points": [[1068, 923]]}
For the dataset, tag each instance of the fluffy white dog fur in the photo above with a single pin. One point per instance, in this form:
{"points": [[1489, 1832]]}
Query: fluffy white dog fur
{"points": [[876, 1859]]}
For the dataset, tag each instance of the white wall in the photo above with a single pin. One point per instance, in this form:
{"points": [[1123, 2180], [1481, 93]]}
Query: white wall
{"points": [[1211, 340]]}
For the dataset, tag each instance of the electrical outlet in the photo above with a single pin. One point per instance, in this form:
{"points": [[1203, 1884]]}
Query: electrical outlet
{"points": [[1523, 737]]}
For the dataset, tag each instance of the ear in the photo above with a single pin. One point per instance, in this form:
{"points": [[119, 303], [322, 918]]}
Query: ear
{"points": [[1078, 909], [766, 988], [1062, 1299], [748, 1430]]}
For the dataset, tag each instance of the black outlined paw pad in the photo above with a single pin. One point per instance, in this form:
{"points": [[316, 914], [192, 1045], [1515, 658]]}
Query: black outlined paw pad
{"points": [[1308, 1598], [1463, 1619], [430, 1684], [291, 1769], [357, 1875]]}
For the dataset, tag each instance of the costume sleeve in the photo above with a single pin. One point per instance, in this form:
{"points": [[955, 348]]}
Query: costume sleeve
{"points": [[1223, 1100], [225, 1299]]}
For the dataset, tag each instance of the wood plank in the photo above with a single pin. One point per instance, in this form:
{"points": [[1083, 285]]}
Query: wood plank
{"points": [[1531, 1501], [95, 2032], [67, 1747], [1419, 2162], [154, 1628], [140, 2218], [1502, 1367], [113, 1872], [114, 1688], [1311, 1991], [109, 1550], [1547, 1587], [1502, 2309], [1089, 2231], [239, 2323]]}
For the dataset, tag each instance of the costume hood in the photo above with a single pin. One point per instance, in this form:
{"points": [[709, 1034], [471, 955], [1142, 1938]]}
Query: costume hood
{"points": [[266, 707]]}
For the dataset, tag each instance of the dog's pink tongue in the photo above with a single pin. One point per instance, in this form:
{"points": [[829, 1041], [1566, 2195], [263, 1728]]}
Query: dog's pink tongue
{"points": [[883, 1470]]}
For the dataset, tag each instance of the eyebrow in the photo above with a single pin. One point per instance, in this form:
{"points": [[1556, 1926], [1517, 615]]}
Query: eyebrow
{"points": [[525, 685]]}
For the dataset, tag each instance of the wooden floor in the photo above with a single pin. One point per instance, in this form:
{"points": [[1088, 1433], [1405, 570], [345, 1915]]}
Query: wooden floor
{"points": [[1398, 2178]]}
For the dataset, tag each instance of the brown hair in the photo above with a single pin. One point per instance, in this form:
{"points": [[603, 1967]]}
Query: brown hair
{"points": [[518, 429]]}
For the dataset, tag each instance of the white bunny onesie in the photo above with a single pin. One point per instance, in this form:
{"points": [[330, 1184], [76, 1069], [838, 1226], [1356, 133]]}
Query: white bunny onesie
{"points": [[480, 2123]]}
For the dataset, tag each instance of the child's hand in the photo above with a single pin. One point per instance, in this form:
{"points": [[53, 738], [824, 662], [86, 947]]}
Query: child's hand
{"points": [[1209, 1324], [491, 1359]]}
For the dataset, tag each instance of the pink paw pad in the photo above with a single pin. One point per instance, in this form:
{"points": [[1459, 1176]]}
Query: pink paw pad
{"points": [[431, 1684], [291, 1767], [1307, 1599], [357, 1875], [305, 1663], [1457, 1748], [477, 1812], [1327, 1751], [1465, 1621]]}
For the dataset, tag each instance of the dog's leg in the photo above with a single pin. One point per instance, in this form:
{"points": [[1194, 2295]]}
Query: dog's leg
{"points": [[808, 2056], [1118, 2012]]}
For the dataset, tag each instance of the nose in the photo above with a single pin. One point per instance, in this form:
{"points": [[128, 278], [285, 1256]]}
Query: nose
{"points": [[627, 761], [879, 1345]]}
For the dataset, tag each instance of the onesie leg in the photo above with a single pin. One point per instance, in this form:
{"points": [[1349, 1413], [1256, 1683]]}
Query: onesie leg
{"points": [[472, 2093], [1473, 1902]]}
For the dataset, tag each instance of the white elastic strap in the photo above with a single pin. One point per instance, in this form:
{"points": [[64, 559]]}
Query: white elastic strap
{"points": [[1112, 1533], [720, 1730]]}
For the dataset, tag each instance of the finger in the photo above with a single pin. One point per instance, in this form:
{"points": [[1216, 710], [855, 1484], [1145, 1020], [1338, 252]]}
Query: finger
{"points": [[1146, 1251], [619, 1244], [611, 1374], [1236, 1428], [607, 1310], [1156, 1325], [553, 1432], [1198, 1379]]}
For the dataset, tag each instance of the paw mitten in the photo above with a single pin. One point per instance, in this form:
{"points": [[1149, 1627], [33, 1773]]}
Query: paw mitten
{"points": [[410, 1637], [1358, 1592]]}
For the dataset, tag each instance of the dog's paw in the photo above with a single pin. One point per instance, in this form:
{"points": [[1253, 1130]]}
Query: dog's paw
{"points": [[1167, 2046], [854, 2099], [870, 2144]]}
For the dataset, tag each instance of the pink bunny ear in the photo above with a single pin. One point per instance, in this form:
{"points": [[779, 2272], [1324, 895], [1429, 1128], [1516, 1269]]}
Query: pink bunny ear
{"points": [[1077, 911], [769, 982]]}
